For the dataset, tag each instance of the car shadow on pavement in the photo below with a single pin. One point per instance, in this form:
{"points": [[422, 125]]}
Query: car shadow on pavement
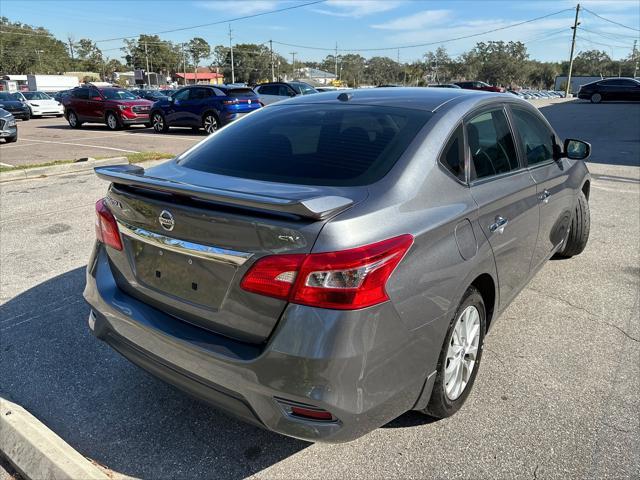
{"points": [[107, 408]]}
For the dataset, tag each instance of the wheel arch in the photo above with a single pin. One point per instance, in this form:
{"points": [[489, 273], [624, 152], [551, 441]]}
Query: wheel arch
{"points": [[586, 189], [485, 284], [215, 112]]}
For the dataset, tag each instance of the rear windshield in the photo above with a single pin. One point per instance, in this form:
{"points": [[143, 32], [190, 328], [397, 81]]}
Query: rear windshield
{"points": [[241, 93], [315, 144]]}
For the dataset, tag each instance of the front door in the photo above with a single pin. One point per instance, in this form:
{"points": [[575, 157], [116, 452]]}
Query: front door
{"points": [[536, 142], [506, 196], [176, 113]]}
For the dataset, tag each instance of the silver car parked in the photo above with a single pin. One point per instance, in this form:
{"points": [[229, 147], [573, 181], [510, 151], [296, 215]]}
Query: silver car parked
{"points": [[326, 264]]}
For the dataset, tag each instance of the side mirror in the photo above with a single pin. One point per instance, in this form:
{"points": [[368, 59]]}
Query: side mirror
{"points": [[576, 149]]}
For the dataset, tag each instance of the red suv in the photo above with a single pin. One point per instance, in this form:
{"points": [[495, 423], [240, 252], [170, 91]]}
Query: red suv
{"points": [[115, 107], [479, 86]]}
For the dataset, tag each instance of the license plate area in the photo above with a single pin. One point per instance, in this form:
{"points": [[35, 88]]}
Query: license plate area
{"points": [[184, 277]]}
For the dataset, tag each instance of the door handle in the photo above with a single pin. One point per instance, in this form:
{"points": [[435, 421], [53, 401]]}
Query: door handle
{"points": [[499, 224], [544, 196]]}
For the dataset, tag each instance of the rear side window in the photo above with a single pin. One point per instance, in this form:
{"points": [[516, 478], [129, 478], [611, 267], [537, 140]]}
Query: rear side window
{"points": [[268, 90], [200, 93], [536, 139], [491, 144], [452, 157], [341, 145]]}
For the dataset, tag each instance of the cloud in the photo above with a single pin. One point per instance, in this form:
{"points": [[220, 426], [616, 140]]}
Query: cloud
{"points": [[239, 8], [357, 8], [416, 21]]}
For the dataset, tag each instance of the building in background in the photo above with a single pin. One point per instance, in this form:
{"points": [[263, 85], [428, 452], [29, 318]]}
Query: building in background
{"points": [[315, 76]]}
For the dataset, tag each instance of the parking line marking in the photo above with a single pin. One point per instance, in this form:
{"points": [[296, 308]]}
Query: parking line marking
{"points": [[6, 165], [76, 145]]}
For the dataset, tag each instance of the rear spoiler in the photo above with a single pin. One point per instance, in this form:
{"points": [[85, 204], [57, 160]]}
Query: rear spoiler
{"points": [[317, 208]]}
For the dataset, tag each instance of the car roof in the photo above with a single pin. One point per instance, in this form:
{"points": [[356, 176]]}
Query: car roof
{"points": [[429, 99]]}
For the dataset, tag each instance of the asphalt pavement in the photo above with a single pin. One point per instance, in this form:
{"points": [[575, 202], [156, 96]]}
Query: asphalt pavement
{"points": [[556, 396]]}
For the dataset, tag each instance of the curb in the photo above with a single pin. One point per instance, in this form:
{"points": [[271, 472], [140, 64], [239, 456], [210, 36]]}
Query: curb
{"points": [[36, 452], [36, 172]]}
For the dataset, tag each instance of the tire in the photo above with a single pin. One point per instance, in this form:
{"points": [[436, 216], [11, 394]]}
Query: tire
{"points": [[11, 139], [579, 231], [210, 123], [27, 116], [72, 118], [446, 399], [112, 121], [596, 98], [159, 123]]}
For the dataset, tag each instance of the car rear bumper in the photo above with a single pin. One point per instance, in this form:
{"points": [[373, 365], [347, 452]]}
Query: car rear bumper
{"points": [[363, 367]]}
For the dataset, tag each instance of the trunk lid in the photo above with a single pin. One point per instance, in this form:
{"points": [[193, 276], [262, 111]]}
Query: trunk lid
{"points": [[189, 241]]}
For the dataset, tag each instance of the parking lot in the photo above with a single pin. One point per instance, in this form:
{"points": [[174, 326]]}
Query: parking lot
{"points": [[48, 139], [556, 396]]}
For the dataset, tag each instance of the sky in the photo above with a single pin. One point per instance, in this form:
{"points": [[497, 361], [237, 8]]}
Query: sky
{"points": [[353, 24]]}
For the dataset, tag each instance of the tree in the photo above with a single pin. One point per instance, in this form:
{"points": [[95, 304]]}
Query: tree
{"points": [[88, 56], [500, 62], [163, 56], [25, 49], [351, 69], [382, 70], [438, 65], [198, 49], [251, 62]]}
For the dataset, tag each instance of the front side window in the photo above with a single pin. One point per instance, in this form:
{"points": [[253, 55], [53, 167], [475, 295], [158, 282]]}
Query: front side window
{"points": [[341, 145], [182, 94], [536, 139], [491, 144], [453, 155]]}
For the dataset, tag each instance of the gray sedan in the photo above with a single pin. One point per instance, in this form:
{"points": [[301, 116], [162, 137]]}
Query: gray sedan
{"points": [[326, 264]]}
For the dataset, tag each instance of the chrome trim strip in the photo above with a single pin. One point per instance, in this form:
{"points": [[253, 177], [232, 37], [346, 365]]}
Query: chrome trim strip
{"points": [[207, 252]]}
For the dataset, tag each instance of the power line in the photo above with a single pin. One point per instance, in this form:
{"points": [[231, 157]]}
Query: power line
{"points": [[609, 20], [229, 20], [424, 44], [610, 36]]}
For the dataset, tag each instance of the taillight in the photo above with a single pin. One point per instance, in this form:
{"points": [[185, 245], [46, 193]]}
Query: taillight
{"points": [[344, 280], [230, 102], [106, 227]]}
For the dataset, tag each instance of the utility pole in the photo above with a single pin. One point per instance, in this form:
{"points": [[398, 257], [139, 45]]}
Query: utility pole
{"points": [[146, 54], [634, 56], [293, 64], [336, 59], [573, 46], [184, 65], [273, 78], [233, 72], [71, 51]]}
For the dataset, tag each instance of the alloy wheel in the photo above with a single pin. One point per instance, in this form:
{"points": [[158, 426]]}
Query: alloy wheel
{"points": [[112, 121], [462, 352], [210, 124], [596, 97], [73, 120], [158, 122]]}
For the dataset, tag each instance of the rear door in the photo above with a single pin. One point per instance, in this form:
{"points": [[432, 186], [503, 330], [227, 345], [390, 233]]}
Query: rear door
{"points": [[536, 142], [269, 94], [79, 103], [200, 100], [506, 196], [95, 106]]}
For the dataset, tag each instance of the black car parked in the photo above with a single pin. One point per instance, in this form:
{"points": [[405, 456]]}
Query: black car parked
{"points": [[15, 107], [611, 89], [153, 95]]}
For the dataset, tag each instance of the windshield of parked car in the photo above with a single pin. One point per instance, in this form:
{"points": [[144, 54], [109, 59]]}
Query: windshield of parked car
{"points": [[315, 144], [115, 94], [7, 96], [303, 88], [36, 96]]}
